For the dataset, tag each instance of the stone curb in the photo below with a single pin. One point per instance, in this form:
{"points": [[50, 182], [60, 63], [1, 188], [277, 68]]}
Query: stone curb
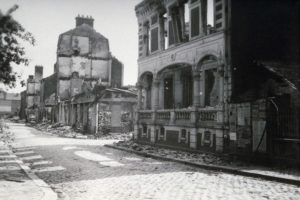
{"points": [[49, 194], [229, 170]]}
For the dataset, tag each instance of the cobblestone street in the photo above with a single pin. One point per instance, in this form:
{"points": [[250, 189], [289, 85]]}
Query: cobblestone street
{"points": [[85, 169]]}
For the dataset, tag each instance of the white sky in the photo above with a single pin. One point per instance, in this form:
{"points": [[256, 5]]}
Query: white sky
{"points": [[46, 19]]}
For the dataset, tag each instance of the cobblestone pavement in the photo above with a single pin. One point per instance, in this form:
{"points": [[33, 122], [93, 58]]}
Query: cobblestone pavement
{"points": [[84, 169]]}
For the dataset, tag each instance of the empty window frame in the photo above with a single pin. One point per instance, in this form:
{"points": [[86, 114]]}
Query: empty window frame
{"points": [[195, 19], [154, 34], [162, 134]]}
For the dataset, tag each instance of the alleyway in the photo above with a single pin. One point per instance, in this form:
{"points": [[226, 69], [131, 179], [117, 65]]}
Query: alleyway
{"points": [[85, 169]]}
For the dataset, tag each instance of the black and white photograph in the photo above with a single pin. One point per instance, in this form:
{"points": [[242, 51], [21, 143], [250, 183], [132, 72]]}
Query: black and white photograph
{"points": [[149, 99]]}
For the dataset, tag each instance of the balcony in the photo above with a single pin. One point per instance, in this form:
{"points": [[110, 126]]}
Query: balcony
{"points": [[188, 52], [201, 117]]}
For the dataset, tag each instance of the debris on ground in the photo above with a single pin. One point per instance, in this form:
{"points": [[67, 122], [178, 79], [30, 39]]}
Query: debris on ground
{"points": [[205, 158], [6, 137], [62, 130]]}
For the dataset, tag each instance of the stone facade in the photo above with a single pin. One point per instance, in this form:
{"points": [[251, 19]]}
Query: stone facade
{"points": [[202, 84], [84, 68], [182, 81]]}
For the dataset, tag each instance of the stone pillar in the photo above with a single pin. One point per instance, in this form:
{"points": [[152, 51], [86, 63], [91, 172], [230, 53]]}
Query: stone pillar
{"points": [[202, 89], [196, 92], [219, 140], [155, 94], [221, 114], [162, 32], [152, 134], [193, 138], [139, 103], [221, 84]]}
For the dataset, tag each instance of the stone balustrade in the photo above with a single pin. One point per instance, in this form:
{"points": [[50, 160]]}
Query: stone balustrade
{"points": [[163, 115], [145, 115], [207, 115], [183, 115]]}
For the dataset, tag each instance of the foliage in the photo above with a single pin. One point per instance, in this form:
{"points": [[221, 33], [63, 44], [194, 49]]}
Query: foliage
{"points": [[11, 52]]}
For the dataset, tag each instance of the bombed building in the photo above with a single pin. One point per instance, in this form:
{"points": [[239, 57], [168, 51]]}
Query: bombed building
{"points": [[32, 94], [219, 76], [84, 64]]}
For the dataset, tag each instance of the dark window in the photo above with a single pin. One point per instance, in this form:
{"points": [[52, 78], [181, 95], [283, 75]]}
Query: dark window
{"points": [[154, 39], [144, 128], [154, 19], [195, 25], [218, 25], [193, 1], [162, 131], [219, 7], [187, 89], [211, 88], [219, 16], [183, 134], [168, 90], [171, 33]]}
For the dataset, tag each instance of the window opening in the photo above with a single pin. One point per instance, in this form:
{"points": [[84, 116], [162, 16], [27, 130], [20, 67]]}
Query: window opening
{"points": [[168, 91], [187, 88]]}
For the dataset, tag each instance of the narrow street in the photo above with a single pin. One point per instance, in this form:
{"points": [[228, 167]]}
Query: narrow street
{"points": [[85, 169]]}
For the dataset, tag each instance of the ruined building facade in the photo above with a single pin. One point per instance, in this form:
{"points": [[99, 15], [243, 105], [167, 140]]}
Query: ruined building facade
{"points": [[32, 94], [84, 61], [209, 71]]}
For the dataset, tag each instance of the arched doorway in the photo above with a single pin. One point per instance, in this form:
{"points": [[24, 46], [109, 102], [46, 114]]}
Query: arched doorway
{"points": [[176, 86], [210, 87], [146, 81]]}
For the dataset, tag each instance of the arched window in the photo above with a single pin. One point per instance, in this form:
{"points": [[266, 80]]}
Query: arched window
{"points": [[210, 80]]}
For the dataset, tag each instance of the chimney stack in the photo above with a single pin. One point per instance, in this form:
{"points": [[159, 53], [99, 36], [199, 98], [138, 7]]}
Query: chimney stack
{"points": [[38, 72], [84, 20]]}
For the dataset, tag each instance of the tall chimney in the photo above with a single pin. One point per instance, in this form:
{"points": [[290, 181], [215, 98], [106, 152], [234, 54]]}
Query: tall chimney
{"points": [[84, 20], [38, 72]]}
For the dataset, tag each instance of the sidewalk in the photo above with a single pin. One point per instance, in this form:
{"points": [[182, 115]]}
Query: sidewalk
{"points": [[16, 180], [210, 162]]}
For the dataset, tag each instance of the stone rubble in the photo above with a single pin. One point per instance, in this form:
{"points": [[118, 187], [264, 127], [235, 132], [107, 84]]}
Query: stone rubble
{"points": [[205, 158], [67, 131], [6, 137]]}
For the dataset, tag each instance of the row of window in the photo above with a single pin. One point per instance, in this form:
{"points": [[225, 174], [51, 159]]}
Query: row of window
{"points": [[179, 24]]}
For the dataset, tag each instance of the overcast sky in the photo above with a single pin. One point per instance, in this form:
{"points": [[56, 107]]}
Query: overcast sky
{"points": [[46, 19]]}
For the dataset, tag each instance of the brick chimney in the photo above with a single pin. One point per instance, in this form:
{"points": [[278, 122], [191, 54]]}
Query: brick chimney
{"points": [[38, 72], [84, 20]]}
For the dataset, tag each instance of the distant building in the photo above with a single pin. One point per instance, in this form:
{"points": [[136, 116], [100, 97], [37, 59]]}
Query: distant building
{"points": [[33, 94], [231, 86], [48, 98], [9, 103]]}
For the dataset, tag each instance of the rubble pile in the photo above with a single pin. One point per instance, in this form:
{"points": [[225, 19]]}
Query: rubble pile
{"points": [[60, 130], [6, 137], [204, 158], [67, 131], [104, 123], [117, 136]]}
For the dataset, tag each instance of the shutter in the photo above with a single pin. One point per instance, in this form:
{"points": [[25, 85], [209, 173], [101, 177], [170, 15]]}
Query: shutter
{"points": [[195, 25]]}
